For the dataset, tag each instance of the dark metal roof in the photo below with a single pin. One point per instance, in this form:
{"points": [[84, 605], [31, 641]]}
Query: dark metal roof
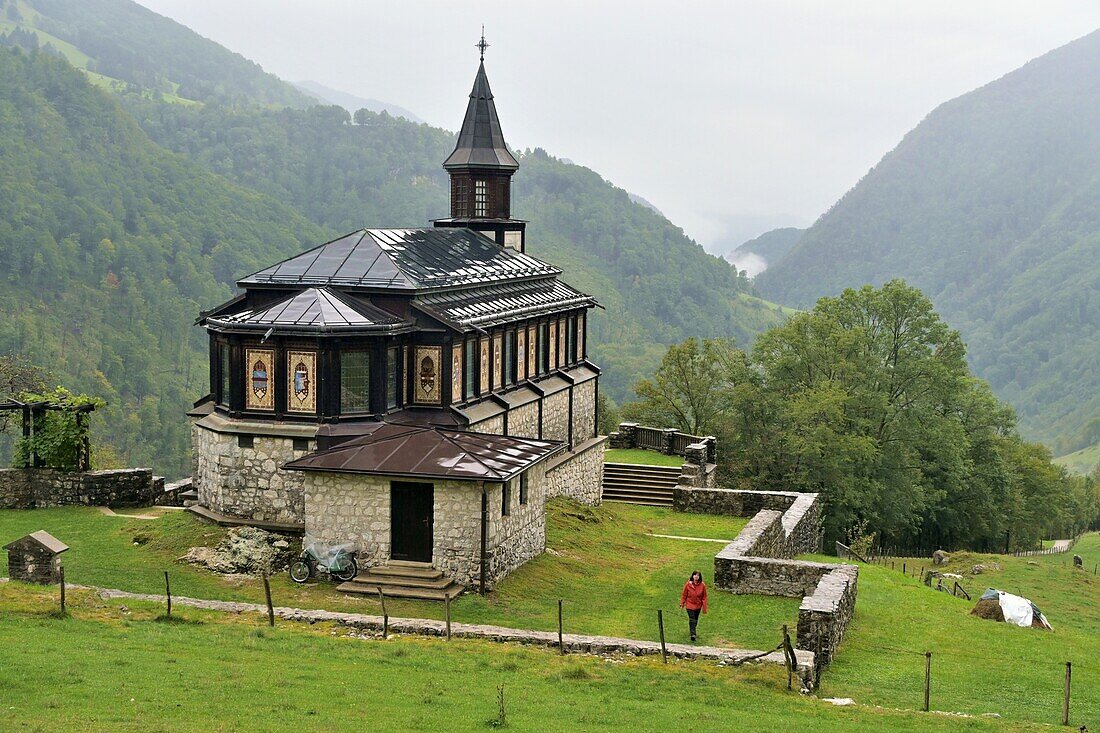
{"points": [[491, 305], [43, 538], [480, 141], [314, 309], [404, 259], [431, 452]]}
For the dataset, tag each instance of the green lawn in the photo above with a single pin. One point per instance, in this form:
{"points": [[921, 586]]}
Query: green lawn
{"points": [[612, 576], [977, 666], [107, 667], [637, 455]]}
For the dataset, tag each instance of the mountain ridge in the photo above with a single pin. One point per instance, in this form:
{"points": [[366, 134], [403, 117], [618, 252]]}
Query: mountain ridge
{"points": [[985, 206]]}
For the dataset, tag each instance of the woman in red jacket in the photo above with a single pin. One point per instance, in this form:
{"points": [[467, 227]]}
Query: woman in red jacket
{"points": [[694, 599]]}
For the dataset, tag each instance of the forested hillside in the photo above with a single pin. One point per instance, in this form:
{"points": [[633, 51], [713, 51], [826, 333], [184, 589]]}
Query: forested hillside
{"points": [[990, 207], [657, 285], [110, 247], [121, 40]]}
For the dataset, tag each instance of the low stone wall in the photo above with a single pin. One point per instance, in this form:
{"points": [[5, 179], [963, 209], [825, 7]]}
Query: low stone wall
{"points": [[824, 615], [37, 488], [758, 561], [578, 474]]}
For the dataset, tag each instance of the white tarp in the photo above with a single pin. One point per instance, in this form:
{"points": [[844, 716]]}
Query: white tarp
{"points": [[1017, 610]]}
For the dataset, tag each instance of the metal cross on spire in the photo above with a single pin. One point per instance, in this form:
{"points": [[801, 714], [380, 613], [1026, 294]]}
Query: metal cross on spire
{"points": [[482, 45]]}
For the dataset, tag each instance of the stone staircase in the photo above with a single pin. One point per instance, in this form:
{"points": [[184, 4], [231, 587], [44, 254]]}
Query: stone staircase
{"points": [[400, 579], [634, 483]]}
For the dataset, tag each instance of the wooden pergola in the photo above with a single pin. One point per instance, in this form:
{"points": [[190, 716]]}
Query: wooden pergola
{"points": [[33, 411]]}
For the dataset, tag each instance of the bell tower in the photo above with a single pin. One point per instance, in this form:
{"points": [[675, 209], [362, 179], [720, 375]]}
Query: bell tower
{"points": [[481, 169]]}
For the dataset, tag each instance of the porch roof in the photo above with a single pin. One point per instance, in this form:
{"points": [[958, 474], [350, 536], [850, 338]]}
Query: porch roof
{"points": [[433, 452]]}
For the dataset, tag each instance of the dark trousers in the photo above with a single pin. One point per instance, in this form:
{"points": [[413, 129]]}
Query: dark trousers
{"points": [[693, 620]]}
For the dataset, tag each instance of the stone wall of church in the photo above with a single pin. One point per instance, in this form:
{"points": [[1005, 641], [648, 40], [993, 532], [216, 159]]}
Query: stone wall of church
{"points": [[584, 411], [493, 426], [555, 416], [523, 422], [356, 508], [247, 482], [578, 474]]}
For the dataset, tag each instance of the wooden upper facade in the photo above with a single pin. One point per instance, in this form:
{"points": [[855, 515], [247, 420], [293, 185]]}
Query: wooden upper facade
{"points": [[424, 322]]}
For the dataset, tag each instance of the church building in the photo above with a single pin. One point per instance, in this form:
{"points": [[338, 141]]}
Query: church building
{"points": [[419, 393]]}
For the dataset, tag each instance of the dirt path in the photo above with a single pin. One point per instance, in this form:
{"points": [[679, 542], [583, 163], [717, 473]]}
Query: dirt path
{"points": [[107, 511]]}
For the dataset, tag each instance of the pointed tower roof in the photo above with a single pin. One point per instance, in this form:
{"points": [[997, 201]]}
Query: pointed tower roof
{"points": [[480, 141]]}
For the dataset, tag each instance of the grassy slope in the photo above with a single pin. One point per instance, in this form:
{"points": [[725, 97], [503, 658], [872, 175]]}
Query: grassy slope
{"points": [[106, 669], [611, 575], [1082, 461], [978, 666]]}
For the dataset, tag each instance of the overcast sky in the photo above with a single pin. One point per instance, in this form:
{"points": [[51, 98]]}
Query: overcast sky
{"points": [[731, 117]]}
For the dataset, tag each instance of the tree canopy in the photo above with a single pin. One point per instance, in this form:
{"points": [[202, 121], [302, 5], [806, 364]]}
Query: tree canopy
{"points": [[867, 399]]}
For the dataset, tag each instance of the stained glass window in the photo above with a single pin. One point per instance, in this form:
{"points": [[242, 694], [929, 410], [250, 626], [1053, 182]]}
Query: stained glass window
{"points": [[510, 358], [223, 381], [354, 381], [470, 385]]}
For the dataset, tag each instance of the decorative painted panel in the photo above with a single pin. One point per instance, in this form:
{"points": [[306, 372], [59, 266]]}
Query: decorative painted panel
{"points": [[426, 389], [301, 383], [498, 355], [563, 358], [259, 388], [456, 372], [532, 345], [521, 354], [484, 365], [553, 344]]}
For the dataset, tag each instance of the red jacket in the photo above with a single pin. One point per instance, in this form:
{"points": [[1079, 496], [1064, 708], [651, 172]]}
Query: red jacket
{"points": [[694, 596]]}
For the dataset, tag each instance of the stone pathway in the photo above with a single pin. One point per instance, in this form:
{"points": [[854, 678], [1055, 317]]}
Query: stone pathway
{"points": [[577, 643], [693, 539]]}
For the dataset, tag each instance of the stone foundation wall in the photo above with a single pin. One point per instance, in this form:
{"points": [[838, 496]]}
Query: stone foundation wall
{"points": [[584, 411], [248, 482], [493, 426], [520, 536], [578, 474], [36, 488], [555, 416], [523, 422]]}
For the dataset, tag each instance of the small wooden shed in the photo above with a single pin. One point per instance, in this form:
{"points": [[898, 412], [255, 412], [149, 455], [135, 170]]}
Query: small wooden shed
{"points": [[36, 558]]}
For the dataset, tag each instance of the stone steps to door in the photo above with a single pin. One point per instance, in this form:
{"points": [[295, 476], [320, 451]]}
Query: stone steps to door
{"points": [[403, 580]]}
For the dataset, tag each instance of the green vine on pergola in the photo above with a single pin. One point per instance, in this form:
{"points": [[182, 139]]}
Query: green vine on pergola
{"points": [[55, 429]]}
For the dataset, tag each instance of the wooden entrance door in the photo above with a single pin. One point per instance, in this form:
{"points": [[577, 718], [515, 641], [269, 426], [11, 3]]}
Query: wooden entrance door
{"points": [[411, 516]]}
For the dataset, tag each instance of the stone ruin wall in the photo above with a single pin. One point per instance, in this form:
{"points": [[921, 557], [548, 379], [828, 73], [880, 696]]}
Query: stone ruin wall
{"points": [[248, 482], [758, 561], [38, 488]]}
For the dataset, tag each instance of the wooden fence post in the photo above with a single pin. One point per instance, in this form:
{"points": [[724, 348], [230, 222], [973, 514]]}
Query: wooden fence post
{"points": [[661, 628], [447, 602], [787, 656], [168, 593], [561, 642], [62, 569], [1065, 698], [385, 616], [270, 608], [927, 678]]}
